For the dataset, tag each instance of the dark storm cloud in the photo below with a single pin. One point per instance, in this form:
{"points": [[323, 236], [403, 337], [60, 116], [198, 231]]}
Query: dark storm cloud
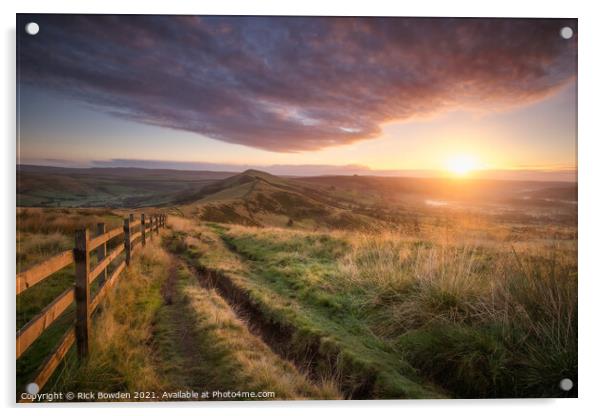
{"points": [[292, 84]]}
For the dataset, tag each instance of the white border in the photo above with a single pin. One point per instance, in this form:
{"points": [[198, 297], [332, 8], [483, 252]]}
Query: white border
{"points": [[590, 178]]}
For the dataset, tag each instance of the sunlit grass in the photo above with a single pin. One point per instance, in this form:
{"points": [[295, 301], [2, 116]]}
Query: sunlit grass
{"points": [[483, 317]]}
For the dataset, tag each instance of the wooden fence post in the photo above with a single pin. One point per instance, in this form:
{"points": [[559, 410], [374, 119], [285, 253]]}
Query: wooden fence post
{"points": [[101, 253], [126, 241], [81, 256], [131, 232], [143, 229], [157, 222]]}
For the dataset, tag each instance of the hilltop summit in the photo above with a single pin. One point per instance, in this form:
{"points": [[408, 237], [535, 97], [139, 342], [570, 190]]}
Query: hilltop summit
{"points": [[254, 197]]}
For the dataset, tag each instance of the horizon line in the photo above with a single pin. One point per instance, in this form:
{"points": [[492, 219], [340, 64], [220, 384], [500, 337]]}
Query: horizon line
{"points": [[567, 174]]}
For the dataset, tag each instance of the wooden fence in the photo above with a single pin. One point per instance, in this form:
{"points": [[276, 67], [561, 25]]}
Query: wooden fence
{"points": [[135, 233]]}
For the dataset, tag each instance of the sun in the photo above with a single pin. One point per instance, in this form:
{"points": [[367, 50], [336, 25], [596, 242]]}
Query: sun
{"points": [[461, 165]]}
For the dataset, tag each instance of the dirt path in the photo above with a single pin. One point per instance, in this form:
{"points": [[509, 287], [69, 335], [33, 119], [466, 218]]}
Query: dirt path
{"points": [[207, 344], [176, 337], [277, 337]]}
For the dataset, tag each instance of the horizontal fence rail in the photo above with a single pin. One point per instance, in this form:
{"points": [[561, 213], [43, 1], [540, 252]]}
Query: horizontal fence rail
{"points": [[101, 239], [36, 274], [102, 266], [34, 328], [135, 233]]}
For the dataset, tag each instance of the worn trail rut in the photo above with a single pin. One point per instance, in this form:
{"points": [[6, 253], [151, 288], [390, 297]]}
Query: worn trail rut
{"points": [[193, 370], [309, 360]]}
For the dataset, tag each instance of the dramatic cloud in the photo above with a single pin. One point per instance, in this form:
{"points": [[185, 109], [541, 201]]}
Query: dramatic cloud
{"points": [[292, 84]]}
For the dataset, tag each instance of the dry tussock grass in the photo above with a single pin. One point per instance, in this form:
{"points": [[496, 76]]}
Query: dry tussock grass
{"points": [[257, 362], [512, 308], [122, 357], [486, 310], [65, 221]]}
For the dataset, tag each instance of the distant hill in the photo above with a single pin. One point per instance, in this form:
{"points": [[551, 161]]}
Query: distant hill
{"points": [[258, 198], [46, 186]]}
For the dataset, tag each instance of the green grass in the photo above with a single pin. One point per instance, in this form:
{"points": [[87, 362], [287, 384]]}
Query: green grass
{"points": [[485, 319], [187, 357], [204, 346], [301, 268], [292, 289], [28, 364], [159, 330], [459, 308], [32, 301]]}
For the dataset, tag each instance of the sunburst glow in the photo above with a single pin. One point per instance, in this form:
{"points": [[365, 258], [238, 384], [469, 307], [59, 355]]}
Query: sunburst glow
{"points": [[461, 165]]}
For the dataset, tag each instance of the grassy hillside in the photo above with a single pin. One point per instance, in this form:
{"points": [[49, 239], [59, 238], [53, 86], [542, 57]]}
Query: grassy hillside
{"points": [[304, 323], [260, 199]]}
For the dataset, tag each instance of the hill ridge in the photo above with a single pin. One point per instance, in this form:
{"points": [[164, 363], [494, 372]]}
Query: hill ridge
{"points": [[254, 197]]}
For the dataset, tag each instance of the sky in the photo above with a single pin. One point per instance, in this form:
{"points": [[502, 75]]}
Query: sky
{"points": [[300, 95]]}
